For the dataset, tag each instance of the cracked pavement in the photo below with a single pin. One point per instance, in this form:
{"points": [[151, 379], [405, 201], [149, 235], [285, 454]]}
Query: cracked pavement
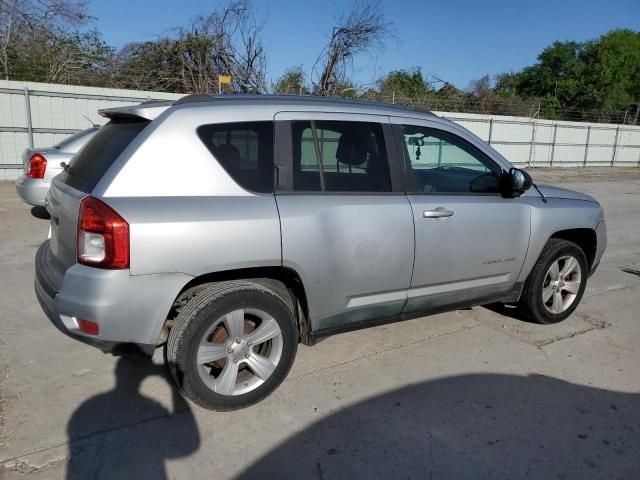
{"points": [[474, 393]]}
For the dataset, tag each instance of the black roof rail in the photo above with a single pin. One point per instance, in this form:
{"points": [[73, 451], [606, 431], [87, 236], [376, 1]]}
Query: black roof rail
{"points": [[194, 98], [206, 98]]}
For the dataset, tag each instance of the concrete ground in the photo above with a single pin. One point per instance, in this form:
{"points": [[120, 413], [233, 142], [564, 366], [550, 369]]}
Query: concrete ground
{"points": [[468, 394]]}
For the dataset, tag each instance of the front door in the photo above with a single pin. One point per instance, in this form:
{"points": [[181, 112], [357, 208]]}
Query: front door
{"points": [[470, 241], [347, 227]]}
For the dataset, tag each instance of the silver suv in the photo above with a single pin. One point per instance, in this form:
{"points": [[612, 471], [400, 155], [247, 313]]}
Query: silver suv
{"points": [[231, 228]]}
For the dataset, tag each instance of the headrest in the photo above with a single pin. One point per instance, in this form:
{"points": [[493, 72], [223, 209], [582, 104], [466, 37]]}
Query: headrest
{"points": [[352, 149], [227, 153]]}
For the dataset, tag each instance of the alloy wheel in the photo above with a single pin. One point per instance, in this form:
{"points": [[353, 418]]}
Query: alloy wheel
{"points": [[561, 284], [239, 351]]}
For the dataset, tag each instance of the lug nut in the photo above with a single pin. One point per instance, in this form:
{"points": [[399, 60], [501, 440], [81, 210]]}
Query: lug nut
{"points": [[238, 340], [248, 344], [246, 355], [229, 350], [235, 360]]}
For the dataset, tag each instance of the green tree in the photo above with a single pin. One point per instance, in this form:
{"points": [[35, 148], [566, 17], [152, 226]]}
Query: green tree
{"points": [[612, 71], [149, 65], [293, 81], [404, 83], [558, 73], [23, 20], [80, 58], [506, 84], [602, 74]]}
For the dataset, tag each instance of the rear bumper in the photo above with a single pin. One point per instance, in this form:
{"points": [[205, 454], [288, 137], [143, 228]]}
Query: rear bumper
{"points": [[130, 310], [70, 328], [32, 190]]}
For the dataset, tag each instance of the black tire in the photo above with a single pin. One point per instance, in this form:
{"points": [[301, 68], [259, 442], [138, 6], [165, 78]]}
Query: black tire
{"points": [[200, 313], [531, 299]]}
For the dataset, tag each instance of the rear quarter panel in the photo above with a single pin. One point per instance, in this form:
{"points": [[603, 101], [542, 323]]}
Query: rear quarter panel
{"points": [[199, 235], [186, 214]]}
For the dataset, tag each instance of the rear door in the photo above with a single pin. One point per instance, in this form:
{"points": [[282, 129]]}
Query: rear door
{"points": [[347, 226], [470, 241]]}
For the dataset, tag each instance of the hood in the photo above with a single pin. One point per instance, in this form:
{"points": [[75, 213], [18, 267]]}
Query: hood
{"points": [[558, 192]]}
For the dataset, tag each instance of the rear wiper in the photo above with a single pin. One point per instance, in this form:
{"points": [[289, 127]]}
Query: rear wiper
{"points": [[67, 168]]}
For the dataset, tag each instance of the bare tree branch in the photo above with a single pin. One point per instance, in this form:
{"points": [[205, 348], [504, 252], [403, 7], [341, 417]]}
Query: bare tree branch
{"points": [[363, 29], [48, 16], [225, 42]]}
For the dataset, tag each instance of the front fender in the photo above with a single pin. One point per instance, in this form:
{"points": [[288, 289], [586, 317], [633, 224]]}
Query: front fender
{"points": [[552, 215]]}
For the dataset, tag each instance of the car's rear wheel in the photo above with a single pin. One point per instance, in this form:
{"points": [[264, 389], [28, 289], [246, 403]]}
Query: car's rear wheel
{"points": [[232, 345], [556, 283]]}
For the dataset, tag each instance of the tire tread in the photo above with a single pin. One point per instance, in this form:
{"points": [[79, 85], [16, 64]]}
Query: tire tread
{"points": [[184, 324], [529, 299]]}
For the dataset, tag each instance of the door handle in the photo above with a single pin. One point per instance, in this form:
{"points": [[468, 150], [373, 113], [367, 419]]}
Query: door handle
{"points": [[439, 212]]}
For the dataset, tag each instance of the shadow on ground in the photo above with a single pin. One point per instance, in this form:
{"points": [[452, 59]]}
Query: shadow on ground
{"points": [[469, 427], [631, 271], [123, 434], [40, 212], [511, 310]]}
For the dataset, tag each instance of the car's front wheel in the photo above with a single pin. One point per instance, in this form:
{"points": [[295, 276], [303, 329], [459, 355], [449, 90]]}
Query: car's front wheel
{"points": [[232, 345], [556, 284]]}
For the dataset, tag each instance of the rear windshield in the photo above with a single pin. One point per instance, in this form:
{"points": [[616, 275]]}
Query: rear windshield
{"points": [[92, 162]]}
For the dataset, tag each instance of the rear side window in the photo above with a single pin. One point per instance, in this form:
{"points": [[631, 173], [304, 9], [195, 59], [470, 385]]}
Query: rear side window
{"points": [[245, 151], [93, 161], [336, 156]]}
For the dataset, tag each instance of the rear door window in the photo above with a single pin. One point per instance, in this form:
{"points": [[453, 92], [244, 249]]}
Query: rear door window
{"points": [[339, 156], [245, 151], [92, 162]]}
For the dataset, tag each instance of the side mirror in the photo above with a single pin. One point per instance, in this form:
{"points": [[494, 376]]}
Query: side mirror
{"points": [[517, 182]]}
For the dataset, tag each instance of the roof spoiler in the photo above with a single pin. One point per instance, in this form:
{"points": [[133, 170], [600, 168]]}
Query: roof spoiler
{"points": [[143, 111]]}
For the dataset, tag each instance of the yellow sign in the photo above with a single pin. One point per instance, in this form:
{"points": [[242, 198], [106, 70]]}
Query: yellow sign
{"points": [[224, 79]]}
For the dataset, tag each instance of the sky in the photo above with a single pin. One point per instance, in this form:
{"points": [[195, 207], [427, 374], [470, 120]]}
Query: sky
{"points": [[456, 41]]}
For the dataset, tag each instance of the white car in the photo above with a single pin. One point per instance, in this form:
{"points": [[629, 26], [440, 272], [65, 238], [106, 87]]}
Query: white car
{"points": [[42, 164]]}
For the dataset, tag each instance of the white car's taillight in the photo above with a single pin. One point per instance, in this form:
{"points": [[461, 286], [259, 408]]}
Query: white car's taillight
{"points": [[37, 166], [103, 236]]}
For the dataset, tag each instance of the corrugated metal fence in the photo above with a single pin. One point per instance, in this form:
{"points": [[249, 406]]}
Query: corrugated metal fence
{"points": [[546, 143], [42, 114]]}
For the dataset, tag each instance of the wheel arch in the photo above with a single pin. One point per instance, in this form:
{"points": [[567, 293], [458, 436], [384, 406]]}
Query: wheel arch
{"points": [[286, 282], [585, 238]]}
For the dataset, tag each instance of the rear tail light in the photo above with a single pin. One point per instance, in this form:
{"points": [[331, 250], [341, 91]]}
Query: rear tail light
{"points": [[37, 166], [103, 236]]}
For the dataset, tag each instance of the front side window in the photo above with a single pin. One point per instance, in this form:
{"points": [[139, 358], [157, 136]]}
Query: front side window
{"points": [[335, 156], [442, 162], [245, 150]]}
